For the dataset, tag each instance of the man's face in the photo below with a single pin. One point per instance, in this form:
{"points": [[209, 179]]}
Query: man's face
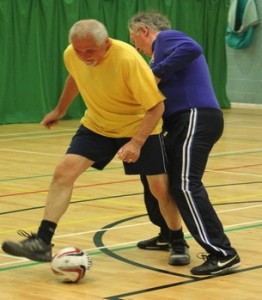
{"points": [[88, 51], [139, 38]]}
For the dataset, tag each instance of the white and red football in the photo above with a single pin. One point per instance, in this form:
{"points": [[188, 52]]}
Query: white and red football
{"points": [[71, 264]]}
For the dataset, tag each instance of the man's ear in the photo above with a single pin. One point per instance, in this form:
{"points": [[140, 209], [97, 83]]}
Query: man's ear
{"points": [[144, 30]]}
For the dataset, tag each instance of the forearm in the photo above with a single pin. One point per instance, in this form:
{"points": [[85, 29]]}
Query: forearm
{"points": [[149, 122], [70, 91]]}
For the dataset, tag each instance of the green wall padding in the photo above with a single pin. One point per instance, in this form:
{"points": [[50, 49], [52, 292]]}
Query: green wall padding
{"points": [[33, 36]]}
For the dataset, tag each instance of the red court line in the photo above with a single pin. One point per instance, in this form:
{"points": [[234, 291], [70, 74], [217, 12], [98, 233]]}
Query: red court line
{"points": [[121, 181], [75, 187]]}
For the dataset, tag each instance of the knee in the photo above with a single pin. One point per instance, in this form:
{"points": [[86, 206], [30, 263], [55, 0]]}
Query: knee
{"points": [[159, 187], [62, 175], [161, 193]]}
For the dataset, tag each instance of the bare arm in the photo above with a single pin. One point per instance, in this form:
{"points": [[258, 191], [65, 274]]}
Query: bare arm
{"points": [[69, 93], [130, 152], [149, 122]]}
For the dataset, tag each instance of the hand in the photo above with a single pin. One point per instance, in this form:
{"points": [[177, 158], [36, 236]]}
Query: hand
{"points": [[130, 152], [50, 119]]}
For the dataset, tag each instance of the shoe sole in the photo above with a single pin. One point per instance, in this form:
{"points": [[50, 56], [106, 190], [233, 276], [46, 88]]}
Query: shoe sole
{"points": [[179, 261], [220, 272], [226, 270], [20, 253], [154, 248], [161, 248]]}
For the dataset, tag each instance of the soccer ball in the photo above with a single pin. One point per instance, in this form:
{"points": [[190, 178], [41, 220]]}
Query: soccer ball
{"points": [[71, 264]]}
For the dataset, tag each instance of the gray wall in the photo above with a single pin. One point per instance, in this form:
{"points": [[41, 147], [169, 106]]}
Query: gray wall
{"points": [[244, 81]]}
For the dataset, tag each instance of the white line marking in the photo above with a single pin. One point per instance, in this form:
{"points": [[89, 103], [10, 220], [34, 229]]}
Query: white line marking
{"points": [[20, 260]]}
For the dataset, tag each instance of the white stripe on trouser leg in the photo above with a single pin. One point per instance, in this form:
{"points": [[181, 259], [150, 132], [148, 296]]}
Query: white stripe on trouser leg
{"points": [[185, 180]]}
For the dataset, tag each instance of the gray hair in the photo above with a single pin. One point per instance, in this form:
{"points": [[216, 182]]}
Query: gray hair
{"points": [[152, 20], [91, 27]]}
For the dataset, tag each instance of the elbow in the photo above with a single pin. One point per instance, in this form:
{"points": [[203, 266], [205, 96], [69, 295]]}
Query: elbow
{"points": [[198, 51], [158, 109], [161, 108]]}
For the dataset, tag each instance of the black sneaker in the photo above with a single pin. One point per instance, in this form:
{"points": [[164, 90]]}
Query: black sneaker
{"points": [[179, 253], [32, 247], [155, 243], [215, 265]]}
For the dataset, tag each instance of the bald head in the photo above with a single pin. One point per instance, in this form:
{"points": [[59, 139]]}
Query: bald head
{"points": [[89, 28]]}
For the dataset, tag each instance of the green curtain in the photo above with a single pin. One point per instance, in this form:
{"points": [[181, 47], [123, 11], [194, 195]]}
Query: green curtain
{"points": [[34, 36]]}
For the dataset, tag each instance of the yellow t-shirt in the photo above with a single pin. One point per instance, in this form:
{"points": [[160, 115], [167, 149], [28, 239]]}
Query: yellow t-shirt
{"points": [[117, 92]]}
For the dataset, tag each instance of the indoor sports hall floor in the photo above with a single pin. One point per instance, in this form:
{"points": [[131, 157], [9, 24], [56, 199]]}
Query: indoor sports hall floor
{"points": [[107, 217]]}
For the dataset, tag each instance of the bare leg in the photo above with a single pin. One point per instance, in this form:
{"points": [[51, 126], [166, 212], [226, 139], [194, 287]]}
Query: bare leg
{"points": [[60, 191], [38, 246], [159, 186]]}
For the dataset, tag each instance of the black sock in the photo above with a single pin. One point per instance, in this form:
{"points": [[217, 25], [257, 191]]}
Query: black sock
{"points": [[46, 231], [164, 234], [176, 234]]}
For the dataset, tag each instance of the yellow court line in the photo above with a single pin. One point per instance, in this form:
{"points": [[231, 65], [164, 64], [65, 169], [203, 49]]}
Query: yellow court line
{"points": [[84, 198], [88, 219], [116, 216], [236, 198], [18, 189]]}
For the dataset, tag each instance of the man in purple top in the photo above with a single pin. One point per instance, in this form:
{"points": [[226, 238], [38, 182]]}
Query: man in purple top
{"points": [[194, 123]]}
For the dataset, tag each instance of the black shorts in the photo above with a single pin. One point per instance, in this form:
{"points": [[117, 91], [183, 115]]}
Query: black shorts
{"points": [[102, 150]]}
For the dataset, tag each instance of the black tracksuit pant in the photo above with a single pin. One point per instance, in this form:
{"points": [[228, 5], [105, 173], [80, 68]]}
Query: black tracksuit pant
{"points": [[191, 136]]}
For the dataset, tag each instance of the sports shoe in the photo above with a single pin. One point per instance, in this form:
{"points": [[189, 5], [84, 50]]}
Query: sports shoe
{"points": [[215, 265], [155, 243], [179, 253], [32, 247]]}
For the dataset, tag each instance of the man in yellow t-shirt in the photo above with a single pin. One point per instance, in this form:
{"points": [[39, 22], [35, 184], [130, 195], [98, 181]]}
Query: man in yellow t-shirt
{"points": [[123, 116]]}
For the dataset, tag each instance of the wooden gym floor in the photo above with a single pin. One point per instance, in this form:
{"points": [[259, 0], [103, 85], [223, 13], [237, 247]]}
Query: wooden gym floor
{"points": [[107, 217]]}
